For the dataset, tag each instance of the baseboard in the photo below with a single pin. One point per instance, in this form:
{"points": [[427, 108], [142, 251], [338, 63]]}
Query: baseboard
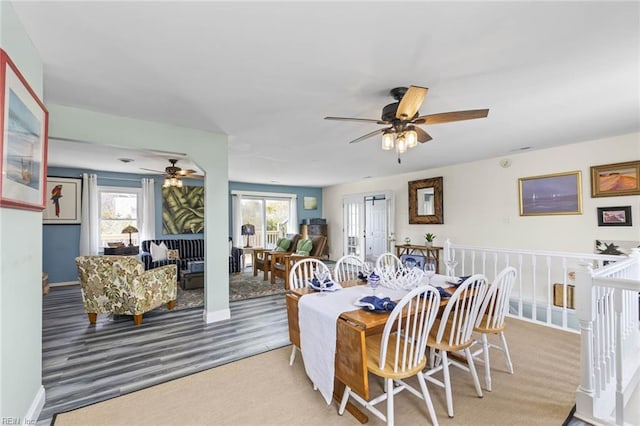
{"points": [[215, 316], [36, 407], [64, 283]]}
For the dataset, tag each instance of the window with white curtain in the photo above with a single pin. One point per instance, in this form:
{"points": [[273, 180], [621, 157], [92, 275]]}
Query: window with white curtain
{"points": [[118, 208]]}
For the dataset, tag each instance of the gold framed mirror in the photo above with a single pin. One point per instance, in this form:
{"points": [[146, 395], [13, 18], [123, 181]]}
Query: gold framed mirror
{"points": [[425, 201]]}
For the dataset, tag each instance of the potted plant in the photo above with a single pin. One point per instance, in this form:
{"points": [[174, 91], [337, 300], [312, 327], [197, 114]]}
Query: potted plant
{"points": [[429, 237]]}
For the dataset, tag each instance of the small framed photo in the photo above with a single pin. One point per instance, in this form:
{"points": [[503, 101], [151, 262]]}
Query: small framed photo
{"points": [[63, 201], [23, 141], [611, 180], [614, 216], [413, 261], [560, 193], [310, 203]]}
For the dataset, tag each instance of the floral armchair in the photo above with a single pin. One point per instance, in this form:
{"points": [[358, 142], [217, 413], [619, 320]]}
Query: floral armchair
{"points": [[120, 285]]}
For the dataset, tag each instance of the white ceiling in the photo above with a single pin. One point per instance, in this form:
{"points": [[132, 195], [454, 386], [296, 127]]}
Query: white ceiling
{"points": [[267, 73]]}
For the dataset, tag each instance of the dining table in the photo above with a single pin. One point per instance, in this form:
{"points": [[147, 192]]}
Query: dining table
{"points": [[352, 328]]}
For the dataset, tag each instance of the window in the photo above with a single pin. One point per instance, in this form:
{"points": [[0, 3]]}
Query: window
{"points": [[118, 207], [273, 215], [270, 217]]}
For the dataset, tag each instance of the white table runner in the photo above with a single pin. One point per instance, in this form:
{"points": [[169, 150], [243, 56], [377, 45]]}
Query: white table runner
{"points": [[317, 319]]}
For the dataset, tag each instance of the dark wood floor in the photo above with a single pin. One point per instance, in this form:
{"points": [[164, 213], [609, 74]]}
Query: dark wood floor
{"points": [[84, 364]]}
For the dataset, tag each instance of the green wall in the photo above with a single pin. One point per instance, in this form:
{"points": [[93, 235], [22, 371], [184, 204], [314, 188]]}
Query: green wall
{"points": [[21, 391]]}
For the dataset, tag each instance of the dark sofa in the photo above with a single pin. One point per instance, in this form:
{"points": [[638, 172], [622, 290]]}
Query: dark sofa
{"points": [[189, 250]]}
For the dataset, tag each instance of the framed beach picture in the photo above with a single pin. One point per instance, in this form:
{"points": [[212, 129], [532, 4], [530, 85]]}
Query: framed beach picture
{"points": [[610, 180], [23, 141], [614, 216], [559, 193], [63, 201]]}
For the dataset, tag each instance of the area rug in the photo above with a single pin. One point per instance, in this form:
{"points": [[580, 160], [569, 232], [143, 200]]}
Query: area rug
{"points": [[241, 286]]}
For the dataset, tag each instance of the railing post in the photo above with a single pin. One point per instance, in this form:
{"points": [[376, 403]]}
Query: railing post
{"points": [[585, 312], [447, 255]]}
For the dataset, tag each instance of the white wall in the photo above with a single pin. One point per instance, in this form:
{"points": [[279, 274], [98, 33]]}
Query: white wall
{"points": [[21, 392], [208, 150], [481, 201]]}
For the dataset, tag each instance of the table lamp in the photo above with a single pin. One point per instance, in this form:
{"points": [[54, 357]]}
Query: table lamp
{"points": [[248, 230], [129, 230]]}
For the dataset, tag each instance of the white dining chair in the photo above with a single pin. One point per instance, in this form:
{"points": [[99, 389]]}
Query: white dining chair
{"points": [[388, 261], [400, 352], [493, 311], [453, 332], [348, 267], [302, 272]]}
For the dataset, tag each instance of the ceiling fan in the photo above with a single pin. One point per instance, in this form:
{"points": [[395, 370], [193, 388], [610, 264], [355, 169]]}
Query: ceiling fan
{"points": [[174, 174], [402, 118]]}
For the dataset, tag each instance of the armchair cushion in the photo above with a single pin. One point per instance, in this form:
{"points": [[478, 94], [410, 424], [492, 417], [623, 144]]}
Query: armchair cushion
{"points": [[283, 245], [304, 247]]}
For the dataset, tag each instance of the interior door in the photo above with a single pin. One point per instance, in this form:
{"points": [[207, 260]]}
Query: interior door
{"points": [[368, 224], [353, 231], [375, 215]]}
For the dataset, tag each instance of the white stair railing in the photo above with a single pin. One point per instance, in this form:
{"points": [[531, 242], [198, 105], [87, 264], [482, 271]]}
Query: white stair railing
{"points": [[609, 315], [595, 295], [545, 286]]}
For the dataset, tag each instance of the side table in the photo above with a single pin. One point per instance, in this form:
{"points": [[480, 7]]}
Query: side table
{"points": [[431, 254], [247, 251]]}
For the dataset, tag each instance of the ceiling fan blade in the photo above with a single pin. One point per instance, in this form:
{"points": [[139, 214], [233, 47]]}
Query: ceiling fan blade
{"points": [[362, 120], [368, 135], [422, 135], [447, 117], [151, 170], [411, 102]]}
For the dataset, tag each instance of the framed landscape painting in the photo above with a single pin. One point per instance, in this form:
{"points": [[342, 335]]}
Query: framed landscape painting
{"points": [[23, 141], [610, 180], [614, 216], [554, 194]]}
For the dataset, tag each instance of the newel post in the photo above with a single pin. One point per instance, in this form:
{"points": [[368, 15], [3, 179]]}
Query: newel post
{"points": [[585, 312], [447, 255]]}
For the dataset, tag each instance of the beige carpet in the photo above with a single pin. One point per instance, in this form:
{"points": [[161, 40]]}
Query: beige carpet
{"points": [[264, 390]]}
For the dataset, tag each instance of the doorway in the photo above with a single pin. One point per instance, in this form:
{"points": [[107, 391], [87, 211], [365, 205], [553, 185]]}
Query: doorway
{"points": [[368, 224]]}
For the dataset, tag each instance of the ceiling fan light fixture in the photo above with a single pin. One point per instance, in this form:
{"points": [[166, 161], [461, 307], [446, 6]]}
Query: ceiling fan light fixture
{"points": [[401, 144], [387, 141], [172, 181], [411, 137]]}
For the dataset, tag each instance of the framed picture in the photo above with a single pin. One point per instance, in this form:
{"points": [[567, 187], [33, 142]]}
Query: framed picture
{"points": [[413, 260], [614, 216], [611, 180], [310, 203], [23, 141], [63, 201], [559, 193]]}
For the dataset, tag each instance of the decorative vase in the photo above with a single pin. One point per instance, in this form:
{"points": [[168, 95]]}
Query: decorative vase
{"points": [[428, 244], [407, 240]]}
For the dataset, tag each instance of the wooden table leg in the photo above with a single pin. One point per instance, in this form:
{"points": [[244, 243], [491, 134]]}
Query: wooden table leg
{"points": [[351, 366]]}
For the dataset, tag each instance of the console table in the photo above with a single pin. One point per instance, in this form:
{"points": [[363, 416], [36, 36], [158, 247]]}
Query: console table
{"points": [[122, 251], [428, 252]]}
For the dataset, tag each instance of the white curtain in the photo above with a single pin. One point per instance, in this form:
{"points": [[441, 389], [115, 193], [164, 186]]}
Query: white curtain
{"points": [[90, 226], [236, 223], [293, 227], [148, 217]]}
